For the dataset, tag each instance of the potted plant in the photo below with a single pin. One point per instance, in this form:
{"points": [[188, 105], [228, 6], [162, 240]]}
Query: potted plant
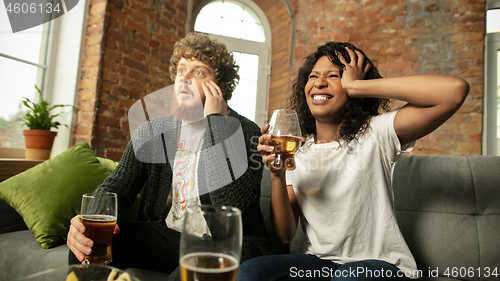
{"points": [[39, 138]]}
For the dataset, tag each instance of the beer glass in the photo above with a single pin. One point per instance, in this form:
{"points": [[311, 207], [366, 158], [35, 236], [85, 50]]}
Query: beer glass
{"points": [[211, 241], [99, 213], [285, 137]]}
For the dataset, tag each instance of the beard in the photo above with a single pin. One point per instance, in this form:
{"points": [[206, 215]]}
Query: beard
{"points": [[189, 110]]}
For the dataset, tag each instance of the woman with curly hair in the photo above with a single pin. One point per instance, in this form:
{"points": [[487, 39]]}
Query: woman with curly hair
{"points": [[341, 189], [358, 111]]}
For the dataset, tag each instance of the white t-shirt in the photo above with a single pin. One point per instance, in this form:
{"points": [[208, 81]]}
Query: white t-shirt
{"points": [[184, 178], [346, 197]]}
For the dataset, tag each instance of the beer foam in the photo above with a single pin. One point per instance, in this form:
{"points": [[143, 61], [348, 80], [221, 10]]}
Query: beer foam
{"points": [[209, 270]]}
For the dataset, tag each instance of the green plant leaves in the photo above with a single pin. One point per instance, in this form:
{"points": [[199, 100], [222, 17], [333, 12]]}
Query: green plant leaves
{"points": [[40, 118]]}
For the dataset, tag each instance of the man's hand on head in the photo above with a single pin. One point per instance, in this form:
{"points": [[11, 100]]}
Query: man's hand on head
{"points": [[214, 99]]}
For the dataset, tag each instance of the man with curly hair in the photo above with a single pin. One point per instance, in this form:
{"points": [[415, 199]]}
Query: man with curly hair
{"points": [[201, 151]]}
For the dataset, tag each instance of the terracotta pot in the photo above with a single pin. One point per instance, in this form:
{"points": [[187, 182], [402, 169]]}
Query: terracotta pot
{"points": [[36, 140]]}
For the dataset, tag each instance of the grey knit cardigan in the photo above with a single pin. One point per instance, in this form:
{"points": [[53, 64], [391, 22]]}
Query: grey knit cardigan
{"points": [[222, 160]]}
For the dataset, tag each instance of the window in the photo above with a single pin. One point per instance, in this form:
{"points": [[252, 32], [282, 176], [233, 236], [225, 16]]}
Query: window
{"points": [[493, 21], [491, 135], [245, 94], [22, 65], [51, 62], [232, 19], [243, 27]]}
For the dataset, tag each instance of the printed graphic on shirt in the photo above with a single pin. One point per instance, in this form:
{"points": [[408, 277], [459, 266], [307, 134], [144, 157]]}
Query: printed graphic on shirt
{"points": [[184, 193], [185, 173]]}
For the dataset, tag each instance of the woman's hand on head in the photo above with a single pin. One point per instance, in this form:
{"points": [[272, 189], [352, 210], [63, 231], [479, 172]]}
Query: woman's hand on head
{"points": [[354, 70]]}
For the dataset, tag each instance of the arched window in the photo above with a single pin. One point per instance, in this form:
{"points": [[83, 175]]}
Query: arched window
{"points": [[244, 28]]}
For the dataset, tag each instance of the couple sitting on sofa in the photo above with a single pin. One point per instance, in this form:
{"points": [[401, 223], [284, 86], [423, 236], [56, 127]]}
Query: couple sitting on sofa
{"points": [[337, 96]]}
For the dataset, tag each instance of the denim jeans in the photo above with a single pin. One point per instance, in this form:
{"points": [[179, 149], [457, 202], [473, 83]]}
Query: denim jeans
{"points": [[310, 267]]}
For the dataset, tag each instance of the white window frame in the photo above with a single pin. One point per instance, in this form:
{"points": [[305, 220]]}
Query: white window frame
{"points": [[64, 59], [59, 74], [41, 66], [262, 49], [492, 47]]}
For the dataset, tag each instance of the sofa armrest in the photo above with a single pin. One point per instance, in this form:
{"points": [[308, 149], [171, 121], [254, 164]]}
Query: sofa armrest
{"points": [[10, 220]]}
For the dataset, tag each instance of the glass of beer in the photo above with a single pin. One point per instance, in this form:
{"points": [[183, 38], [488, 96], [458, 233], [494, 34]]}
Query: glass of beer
{"points": [[285, 137], [211, 241], [99, 213]]}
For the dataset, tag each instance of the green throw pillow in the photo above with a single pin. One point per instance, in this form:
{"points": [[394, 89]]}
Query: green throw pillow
{"points": [[108, 164], [48, 195]]}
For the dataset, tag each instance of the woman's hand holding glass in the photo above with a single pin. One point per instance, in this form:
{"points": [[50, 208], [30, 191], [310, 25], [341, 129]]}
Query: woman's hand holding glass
{"points": [[280, 140]]}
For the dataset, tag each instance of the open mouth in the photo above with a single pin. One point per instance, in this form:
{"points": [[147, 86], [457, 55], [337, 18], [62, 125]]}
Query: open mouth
{"points": [[184, 92], [321, 97]]}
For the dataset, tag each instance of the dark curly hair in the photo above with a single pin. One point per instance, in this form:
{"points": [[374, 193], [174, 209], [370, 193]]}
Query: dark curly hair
{"points": [[211, 52], [358, 110]]}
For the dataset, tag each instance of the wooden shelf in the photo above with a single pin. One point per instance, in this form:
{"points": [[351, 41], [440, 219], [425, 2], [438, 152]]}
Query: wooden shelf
{"points": [[10, 167]]}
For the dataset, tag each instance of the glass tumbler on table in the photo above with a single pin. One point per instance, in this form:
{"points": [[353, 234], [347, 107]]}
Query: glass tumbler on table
{"points": [[211, 242], [99, 213], [285, 133]]}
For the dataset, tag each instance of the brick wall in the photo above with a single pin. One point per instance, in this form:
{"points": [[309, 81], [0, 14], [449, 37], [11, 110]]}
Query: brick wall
{"points": [[280, 83], [127, 48], [405, 37], [129, 42]]}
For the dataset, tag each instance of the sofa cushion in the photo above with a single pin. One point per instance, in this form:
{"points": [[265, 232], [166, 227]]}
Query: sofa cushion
{"points": [[48, 195], [21, 255], [448, 210]]}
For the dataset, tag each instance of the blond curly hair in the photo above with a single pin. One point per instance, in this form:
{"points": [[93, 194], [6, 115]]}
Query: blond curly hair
{"points": [[211, 52]]}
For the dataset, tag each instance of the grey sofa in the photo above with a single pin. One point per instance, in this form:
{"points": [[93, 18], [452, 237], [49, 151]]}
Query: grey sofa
{"points": [[448, 209]]}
